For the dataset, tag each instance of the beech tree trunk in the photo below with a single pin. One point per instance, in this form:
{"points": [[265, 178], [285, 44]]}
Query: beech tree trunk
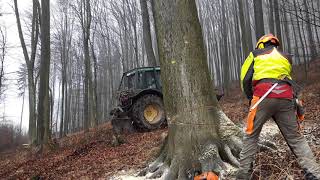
{"points": [[199, 132], [30, 64], [313, 48], [147, 34], [245, 44], [258, 18], [43, 103], [277, 19], [271, 16]]}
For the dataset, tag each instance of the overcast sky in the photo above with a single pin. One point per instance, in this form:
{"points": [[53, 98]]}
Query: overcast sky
{"points": [[11, 107]]}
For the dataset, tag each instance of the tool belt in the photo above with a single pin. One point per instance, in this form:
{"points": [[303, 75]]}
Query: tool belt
{"points": [[296, 90], [295, 86], [273, 81]]}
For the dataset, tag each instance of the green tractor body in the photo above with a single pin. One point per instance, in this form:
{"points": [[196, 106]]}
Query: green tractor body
{"points": [[140, 101], [140, 105]]}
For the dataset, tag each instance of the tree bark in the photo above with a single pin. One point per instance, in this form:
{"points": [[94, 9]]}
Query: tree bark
{"points": [[248, 27], [147, 34], [277, 18], [301, 40], [313, 48], [43, 103], [286, 31], [225, 55], [244, 33], [258, 17], [30, 64], [271, 16], [3, 51], [89, 117], [195, 140]]}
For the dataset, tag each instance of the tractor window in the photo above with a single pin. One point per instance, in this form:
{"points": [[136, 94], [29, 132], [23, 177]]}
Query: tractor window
{"points": [[131, 81], [127, 81], [146, 79], [122, 83]]}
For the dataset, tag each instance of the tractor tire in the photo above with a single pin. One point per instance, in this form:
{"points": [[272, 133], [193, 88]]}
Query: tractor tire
{"points": [[148, 113]]}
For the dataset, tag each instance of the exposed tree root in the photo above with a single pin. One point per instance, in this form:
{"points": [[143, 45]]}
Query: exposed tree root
{"points": [[202, 154]]}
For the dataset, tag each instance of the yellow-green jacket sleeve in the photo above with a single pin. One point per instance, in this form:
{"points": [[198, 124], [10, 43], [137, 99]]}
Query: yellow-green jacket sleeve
{"points": [[246, 76]]}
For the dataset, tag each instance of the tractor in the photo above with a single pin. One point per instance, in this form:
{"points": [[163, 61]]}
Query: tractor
{"points": [[140, 101]]}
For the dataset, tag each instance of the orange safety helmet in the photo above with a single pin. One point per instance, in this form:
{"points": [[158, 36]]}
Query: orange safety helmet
{"points": [[266, 38]]}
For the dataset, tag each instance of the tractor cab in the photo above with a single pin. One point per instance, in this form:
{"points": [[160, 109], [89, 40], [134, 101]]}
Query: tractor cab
{"points": [[141, 78]]}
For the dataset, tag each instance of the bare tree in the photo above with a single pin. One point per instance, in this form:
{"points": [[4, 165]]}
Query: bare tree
{"points": [[43, 120], [30, 62], [3, 51], [85, 19]]}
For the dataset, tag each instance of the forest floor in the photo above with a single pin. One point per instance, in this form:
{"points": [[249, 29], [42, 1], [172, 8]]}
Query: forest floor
{"points": [[92, 156]]}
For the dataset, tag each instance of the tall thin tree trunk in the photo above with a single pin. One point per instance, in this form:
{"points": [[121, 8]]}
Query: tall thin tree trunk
{"points": [[296, 50], [58, 110], [244, 33], [22, 108], [313, 49], [287, 31], [147, 34], [277, 18], [62, 133], [316, 28], [30, 64], [88, 89], [271, 16], [43, 103], [225, 48], [301, 40], [248, 26], [258, 16]]}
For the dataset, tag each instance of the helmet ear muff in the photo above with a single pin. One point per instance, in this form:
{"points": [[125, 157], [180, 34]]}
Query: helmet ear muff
{"points": [[261, 46]]}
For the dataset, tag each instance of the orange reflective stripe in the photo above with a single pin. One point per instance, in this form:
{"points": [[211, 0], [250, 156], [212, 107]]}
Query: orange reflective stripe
{"points": [[252, 115], [207, 176], [301, 117]]}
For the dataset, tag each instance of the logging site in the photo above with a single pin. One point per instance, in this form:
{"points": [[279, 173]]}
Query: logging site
{"points": [[160, 89]]}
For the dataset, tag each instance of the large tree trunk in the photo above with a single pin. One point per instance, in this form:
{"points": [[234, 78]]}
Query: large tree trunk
{"points": [[195, 140]]}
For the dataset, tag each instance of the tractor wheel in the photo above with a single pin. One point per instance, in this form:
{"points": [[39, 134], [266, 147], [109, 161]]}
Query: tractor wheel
{"points": [[148, 112]]}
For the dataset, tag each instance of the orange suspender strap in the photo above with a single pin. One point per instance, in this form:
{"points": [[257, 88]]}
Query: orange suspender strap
{"points": [[252, 115]]}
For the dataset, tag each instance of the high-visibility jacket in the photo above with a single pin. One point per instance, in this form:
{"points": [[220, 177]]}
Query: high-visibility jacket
{"points": [[267, 63]]}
